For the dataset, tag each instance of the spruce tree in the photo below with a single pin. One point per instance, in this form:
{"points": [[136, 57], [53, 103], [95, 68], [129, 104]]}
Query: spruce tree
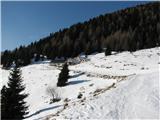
{"points": [[63, 76], [13, 105], [88, 49], [108, 51], [37, 58], [3, 102], [99, 48]]}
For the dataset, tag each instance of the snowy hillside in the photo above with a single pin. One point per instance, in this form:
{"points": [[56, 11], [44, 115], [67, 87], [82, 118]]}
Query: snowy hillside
{"points": [[120, 86]]}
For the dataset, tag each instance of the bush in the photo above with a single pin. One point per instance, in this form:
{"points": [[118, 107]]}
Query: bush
{"points": [[54, 94]]}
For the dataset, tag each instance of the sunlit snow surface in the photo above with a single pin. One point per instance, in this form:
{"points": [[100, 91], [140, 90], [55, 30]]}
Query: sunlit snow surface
{"points": [[135, 94]]}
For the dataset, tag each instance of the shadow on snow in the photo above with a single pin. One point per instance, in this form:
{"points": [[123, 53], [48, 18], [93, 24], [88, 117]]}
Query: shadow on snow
{"points": [[43, 110], [77, 82], [77, 75]]}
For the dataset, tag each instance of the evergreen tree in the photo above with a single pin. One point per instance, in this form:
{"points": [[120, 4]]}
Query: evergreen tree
{"points": [[108, 51], [3, 102], [88, 49], [27, 57], [99, 48], [63, 76], [128, 29], [13, 105], [37, 58]]}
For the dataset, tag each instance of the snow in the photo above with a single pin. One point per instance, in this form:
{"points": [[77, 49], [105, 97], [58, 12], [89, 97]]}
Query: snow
{"points": [[120, 86], [127, 101]]}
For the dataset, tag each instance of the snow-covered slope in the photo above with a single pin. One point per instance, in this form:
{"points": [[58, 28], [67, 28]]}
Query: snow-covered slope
{"points": [[135, 99], [119, 86]]}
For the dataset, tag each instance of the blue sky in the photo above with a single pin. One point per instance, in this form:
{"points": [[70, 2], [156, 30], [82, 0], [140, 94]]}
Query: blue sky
{"points": [[25, 22]]}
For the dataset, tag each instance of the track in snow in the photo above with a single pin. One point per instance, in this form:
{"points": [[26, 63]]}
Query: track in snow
{"points": [[135, 98]]}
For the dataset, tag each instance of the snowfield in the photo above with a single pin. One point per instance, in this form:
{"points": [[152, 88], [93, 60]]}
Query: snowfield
{"points": [[120, 86]]}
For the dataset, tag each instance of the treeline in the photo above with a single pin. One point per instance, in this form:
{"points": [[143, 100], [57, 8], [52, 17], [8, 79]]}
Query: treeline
{"points": [[128, 29]]}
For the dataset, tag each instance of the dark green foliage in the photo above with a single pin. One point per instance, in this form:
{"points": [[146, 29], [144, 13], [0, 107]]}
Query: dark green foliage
{"points": [[88, 49], [63, 76], [37, 57], [4, 96], [128, 29], [6, 59], [107, 51], [98, 47], [12, 100]]}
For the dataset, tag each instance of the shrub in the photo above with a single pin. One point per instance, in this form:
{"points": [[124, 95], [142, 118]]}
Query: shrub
{"points": [[54, 94]]}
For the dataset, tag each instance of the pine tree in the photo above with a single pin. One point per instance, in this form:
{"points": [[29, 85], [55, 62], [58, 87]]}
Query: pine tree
{"points": [[13, 105], [108, 51], [99, 48], [88, 49], [128, 29], [3, 102], [37, 58], [63, 76]]}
